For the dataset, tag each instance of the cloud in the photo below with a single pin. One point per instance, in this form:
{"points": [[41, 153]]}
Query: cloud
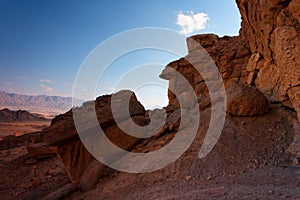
{"points": [[47, 88], [111, 89], [1, 68], [8, 83], [191, 22], [45, 81]]}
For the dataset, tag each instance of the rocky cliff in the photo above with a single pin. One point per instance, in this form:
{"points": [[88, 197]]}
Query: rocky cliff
{"points": [[272, 30], [261, 74], [264, 55]]}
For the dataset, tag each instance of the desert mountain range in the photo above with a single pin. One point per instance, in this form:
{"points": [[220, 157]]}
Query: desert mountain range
{"points": [[44, 104]]}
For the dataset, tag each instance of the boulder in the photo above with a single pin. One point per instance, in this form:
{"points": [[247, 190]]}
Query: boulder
{"points": [[91, 176], [243, 100], [61, 193], [70, 150]]}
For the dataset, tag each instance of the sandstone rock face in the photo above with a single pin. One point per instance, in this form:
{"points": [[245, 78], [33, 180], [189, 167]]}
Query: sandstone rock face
{"points": [[230, 54], [271, 28], [91, 175], [41, 150], [63, 134], [243, 100], [294, 148], [265, 55]]}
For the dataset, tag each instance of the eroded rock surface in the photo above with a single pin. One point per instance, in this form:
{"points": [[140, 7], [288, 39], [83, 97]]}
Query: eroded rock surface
{"points": [[244, 100], [63, 134], [272, 30]]}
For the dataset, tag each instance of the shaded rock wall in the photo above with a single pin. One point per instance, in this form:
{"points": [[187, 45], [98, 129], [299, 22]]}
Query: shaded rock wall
{"points": [[63, 134]]}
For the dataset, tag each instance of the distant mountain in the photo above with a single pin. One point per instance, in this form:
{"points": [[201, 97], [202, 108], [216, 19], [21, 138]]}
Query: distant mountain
{"points": [[49, 105], [7, 115]]}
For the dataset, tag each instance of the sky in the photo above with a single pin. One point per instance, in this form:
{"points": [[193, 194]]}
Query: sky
{"points": [[44, 43]]}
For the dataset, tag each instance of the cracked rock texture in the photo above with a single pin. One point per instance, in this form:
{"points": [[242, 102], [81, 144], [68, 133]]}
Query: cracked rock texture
{"points": [[272, 30]]}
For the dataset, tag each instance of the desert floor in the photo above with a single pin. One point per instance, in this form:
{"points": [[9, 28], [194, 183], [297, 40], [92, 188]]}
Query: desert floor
{"points": [[20, 128]]}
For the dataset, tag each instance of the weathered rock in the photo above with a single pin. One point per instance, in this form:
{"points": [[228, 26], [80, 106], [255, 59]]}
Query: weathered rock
{"points": [[294, 148], [91, 176], [61, 193], [75, 158], [294, 95], [41, 150], [243, 100], [65, 124], [62, 124], [230, 54], [63, 134], [265, 55], [271, 28]]}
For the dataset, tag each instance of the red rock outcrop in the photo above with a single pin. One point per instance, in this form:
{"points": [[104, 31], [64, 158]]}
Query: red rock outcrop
{"points": [[272, 30], [230, 54], [243, 100], [63, 134], [264, 55], [41, 150]]}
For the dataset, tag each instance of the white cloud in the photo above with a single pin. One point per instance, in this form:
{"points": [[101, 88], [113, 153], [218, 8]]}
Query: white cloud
{"points": [[47, 88], [8, 83], [45, 81], [191, 22], [111, 89]]}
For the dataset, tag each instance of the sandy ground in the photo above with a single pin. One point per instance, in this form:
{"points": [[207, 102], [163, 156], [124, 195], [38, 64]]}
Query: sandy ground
{"points": [[266, 182], [20, 128]]}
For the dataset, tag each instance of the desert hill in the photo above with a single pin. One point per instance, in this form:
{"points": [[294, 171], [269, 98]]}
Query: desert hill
{"points": [[7, 115]]}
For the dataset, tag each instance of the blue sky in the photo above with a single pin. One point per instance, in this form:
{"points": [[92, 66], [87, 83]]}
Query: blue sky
{"points": [[43, 43]]}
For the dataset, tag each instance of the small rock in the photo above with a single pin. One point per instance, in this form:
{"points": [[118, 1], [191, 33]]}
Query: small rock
{"points": [[61, 193], [30, 161], [296, 161], [188, 178], [35, 182], [54, 171]]}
